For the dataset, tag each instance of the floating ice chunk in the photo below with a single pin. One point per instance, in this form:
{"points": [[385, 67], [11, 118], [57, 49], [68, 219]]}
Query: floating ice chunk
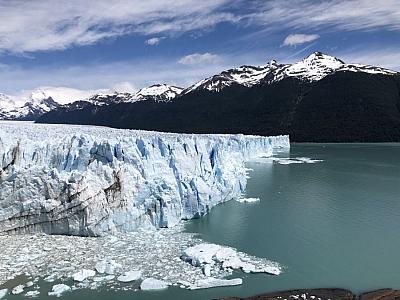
{"points": [[215, 282], [200, 254], [130, 276], [59, 289], [103, 278], [248, 200], [18, 289], [228, 258], [51, 278], [29, 284], [107, 266], [83, 274], [32, 294], [153, 284], [295, 160], [308, 160], [3, 293]]}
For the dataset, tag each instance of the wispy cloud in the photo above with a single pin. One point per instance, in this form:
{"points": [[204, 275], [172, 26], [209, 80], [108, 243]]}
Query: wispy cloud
{"points": [[28, 26], [332, 14], [298, 39], [154, 41], [199, 58]]}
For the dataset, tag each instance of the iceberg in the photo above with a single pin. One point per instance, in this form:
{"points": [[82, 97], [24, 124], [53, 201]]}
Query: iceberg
{"points": [[59, 289], [215, 282], [91, 181], [151, 284]]}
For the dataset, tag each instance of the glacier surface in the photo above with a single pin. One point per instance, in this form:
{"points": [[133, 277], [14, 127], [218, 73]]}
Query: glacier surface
{"points": [[88, 181]]}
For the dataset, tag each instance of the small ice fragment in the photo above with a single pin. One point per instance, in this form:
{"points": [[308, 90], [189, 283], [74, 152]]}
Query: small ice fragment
{"points": [[107, 266], [150, 284], [59, 289], [215, 282], [130, 276], [18, 289], [32, 294], [3, 293], [51, 278], [248, 200], [83, 274], [103, 278]]}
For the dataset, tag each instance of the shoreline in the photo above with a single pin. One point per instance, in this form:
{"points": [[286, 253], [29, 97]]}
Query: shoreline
{"points": [[324, 294]]}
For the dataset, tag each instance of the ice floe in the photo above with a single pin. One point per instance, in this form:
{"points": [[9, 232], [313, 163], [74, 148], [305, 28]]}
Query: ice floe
{"points": [[215, 282], [59, 289], [32, 294], [3, 293], [83, 274], [289, 160], [248, 200], [150, 284], [130, 276], [217, 257], [156, 253], [19, 289]]}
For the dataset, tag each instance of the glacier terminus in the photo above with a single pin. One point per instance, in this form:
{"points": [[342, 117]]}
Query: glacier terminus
{"points": [[90, 181]]}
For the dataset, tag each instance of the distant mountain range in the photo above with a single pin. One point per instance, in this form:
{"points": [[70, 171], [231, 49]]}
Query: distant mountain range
{"points": [[318, 99]]}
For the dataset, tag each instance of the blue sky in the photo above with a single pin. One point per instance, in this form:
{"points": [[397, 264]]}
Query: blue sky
{"points": [[126, 45]]}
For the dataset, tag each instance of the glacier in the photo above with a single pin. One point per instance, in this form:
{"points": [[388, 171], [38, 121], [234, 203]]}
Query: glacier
{"points": [[90, 181]]}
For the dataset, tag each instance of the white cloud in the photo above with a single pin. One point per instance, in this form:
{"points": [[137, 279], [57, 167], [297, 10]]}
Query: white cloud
{"points": [[154, 41], [387, 58], [298, 39], [28, 26], [329, 15], [199, 58], [60, 94], [124, 87]]}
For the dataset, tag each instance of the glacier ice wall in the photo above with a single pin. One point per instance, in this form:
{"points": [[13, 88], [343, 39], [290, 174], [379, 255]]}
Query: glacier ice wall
{"points": [[86, 180]]}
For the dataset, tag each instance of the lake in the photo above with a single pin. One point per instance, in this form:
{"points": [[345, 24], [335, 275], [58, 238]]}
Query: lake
{"points": [[333, 223]]}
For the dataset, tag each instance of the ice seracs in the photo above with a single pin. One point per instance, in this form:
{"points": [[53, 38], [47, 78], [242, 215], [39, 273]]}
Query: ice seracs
{"points": [[83, 180]]}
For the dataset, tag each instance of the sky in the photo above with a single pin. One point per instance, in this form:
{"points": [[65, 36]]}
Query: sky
{"points": [[99, 45]]}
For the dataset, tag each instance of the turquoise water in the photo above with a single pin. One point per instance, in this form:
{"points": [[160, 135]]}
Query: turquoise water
{"points": [[330, 224]]}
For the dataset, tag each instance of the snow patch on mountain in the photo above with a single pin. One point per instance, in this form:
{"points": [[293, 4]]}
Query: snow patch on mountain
{"points": [[312, 68], [86, 180]]}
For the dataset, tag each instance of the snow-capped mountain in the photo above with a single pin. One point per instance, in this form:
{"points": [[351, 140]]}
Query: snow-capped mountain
{"points": [[156, 92], [44, 100], [244, 75], [38, 104], [312, 68], [159, 93], [318, 99]]}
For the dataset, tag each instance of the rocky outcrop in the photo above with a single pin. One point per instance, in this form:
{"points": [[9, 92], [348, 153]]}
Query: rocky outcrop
{"points": [[82, 180]]}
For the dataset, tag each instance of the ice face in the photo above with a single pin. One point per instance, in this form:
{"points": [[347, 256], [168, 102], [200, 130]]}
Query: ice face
{"points": [[86, 180]]}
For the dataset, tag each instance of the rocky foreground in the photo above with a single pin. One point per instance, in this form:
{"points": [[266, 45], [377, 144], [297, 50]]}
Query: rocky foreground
{"points": [[324, 294]]}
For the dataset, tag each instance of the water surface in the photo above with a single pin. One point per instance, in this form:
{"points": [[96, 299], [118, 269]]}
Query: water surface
{"points": [[330, 224]]}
